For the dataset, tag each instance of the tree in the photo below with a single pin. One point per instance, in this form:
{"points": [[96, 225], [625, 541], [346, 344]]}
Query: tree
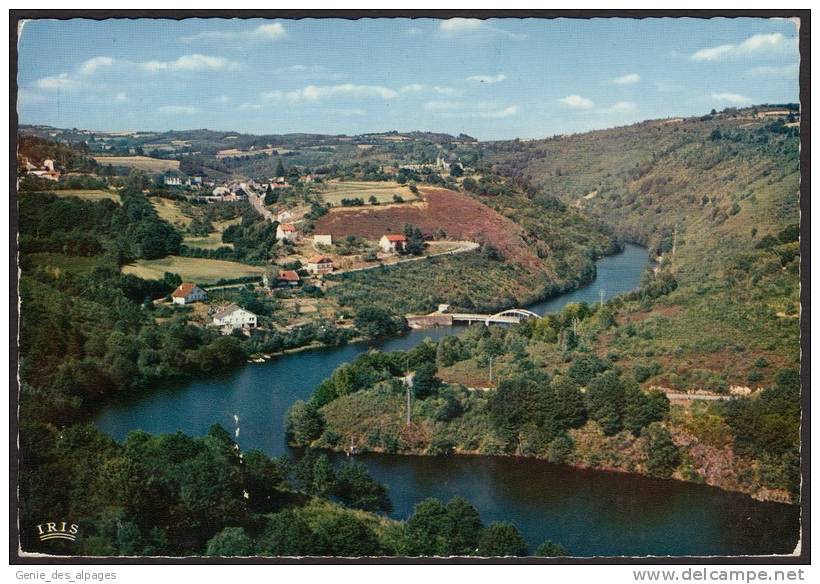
{"points": [[450, 350], [304, 423], [465, 527], [605, 402], [262, 477], [501, 539], [425, 382], [570, 408], [456, 170], [549, 549], [560, 449], [356, 488], [372, 321], [641, 409], [427, 531], [231, 541], [662, 455], [287, 534], [344, 535], [280, 169]]}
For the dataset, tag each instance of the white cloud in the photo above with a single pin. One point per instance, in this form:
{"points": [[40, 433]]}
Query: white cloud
{"points": [[223, 99], [627, 79], [353, 111], [620, 107], [577, 102], [121, 96], [502, 113], [319, 92], [56, 83], [487, 78], [90, 66], [250, 107], [446, 90], [412, 88], [265, 32], [195, 62], [731, 98], [756, 45], [465, 26], [413, 31], [26, 96], [455, 25], [185, 110]]}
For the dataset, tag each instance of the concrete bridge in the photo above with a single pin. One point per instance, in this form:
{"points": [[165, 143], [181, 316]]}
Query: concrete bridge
{"points": [[511, 316]]}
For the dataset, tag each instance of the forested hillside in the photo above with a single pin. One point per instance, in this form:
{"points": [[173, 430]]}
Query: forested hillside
{"points": [[716, 201]]}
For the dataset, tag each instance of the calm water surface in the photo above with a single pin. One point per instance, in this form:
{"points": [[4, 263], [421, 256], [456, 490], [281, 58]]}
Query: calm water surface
{"points": [[589, 512]]}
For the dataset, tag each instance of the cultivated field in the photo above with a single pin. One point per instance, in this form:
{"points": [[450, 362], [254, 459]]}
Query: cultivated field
{"points": [[88, 195], [460, 216], [169, 211], [202, 271], [335, 191], [139, 162]]}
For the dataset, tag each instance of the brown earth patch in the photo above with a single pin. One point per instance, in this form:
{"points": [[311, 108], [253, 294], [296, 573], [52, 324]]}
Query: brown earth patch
{"points": [[460, 216]]}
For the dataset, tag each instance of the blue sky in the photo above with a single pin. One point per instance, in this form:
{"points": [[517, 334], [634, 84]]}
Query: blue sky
{"points": [[492, 79]]}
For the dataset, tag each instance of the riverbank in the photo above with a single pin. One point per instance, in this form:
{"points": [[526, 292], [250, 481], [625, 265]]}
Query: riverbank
{"points": [[706, 465]]}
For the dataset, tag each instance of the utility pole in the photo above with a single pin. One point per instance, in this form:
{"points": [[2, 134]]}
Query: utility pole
{"points": [[491, 368], [407, 385], [601, 293]]}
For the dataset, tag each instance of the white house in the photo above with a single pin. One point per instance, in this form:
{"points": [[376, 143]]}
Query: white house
{"points": [[286, 231], [320, 265], [393, 242], [173, 181], [188, 292], [234, 317]]}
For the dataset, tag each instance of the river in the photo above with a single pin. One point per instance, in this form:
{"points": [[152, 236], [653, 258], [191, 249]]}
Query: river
{"points": [[589, 512]]}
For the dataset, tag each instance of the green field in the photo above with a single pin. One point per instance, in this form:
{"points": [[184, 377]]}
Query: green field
{"points": [[383, 191], [202, 271], [139, 162], [87, 195]]}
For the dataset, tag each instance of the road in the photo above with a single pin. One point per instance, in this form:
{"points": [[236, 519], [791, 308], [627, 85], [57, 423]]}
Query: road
{"points": [[258, 203], [463, 246]]}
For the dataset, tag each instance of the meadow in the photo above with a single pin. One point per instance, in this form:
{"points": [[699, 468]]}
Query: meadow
{"points": [[384, 191], [145, 163], [199, 270]]}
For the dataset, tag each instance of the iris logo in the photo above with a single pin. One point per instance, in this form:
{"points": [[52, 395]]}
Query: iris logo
{"points": [[62, 530]]}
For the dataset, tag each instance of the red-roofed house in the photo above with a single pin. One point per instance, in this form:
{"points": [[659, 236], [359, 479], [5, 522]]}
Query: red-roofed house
{"points": [[288, 278], [320, 265], [286, 231], [393, 242], [188, 292]]}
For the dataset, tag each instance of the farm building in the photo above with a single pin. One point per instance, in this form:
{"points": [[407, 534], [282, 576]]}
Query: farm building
{"points": [[234, 317], [286, 232], [288, 279], [320, 265], [393, 242], [323, 240], [188, 292]]}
